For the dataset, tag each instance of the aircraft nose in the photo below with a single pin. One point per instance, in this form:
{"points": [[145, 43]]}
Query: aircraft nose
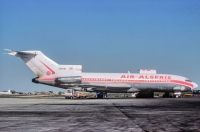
{"points": [[195, 85]]}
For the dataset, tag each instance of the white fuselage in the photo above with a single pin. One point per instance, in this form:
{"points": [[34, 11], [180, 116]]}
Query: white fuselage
{"points": [[124, 82]]}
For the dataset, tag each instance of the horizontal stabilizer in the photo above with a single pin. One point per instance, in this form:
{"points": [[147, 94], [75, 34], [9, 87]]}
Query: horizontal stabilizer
{"points": [[19, 53]]}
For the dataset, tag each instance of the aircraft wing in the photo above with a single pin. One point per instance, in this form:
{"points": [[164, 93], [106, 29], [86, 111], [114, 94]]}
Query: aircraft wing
{"points": [[115, 88]]}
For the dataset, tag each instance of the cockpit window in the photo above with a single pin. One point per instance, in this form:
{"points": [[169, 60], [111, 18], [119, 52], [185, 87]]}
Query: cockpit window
{"points": [[188, 80]]}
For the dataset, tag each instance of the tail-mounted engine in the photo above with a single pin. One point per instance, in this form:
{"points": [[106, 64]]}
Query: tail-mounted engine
{"points": [[69, 80]]}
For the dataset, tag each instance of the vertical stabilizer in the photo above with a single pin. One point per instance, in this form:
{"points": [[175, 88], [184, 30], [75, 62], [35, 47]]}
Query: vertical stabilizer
{"points": [[40, 64]]}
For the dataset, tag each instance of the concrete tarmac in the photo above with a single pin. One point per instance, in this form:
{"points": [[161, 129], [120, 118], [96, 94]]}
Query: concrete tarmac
{"points": [[97, 115]]}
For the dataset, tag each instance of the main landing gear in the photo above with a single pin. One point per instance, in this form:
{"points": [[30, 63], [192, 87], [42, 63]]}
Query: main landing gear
{"points": [[168, 95], [101, 95], [145, 95]]}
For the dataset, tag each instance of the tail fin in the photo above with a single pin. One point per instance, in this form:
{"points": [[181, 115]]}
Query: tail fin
{"points": [[38, 63]]}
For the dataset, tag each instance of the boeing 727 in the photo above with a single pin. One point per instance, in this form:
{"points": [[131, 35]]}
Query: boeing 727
{"points": [[71, 76]]}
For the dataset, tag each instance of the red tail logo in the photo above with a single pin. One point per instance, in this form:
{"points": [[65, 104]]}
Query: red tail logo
{"points": [[50, 71]]}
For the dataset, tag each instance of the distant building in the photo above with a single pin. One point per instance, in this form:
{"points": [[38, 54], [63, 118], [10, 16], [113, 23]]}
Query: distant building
{"points": [[43, 93]]}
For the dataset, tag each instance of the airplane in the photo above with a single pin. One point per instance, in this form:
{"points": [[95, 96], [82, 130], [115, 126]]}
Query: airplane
{"points": [[143, 83], [9, 92]]}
